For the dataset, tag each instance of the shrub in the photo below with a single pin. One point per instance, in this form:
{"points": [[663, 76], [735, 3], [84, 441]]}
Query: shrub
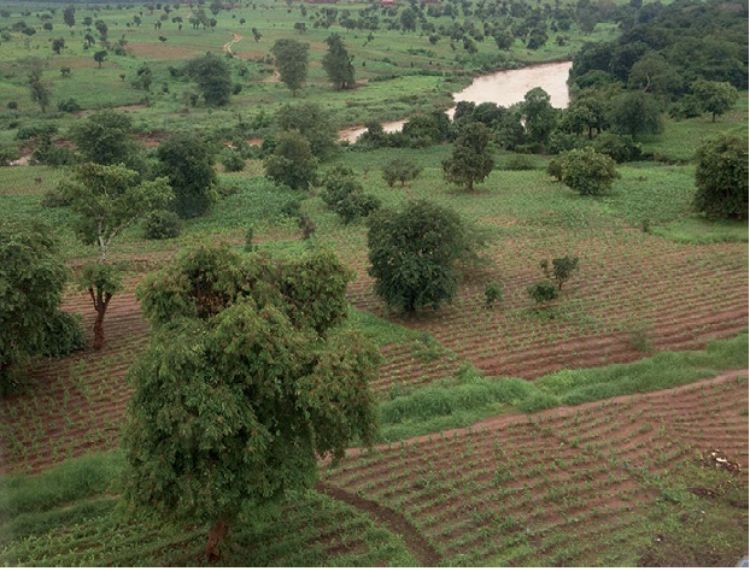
{"points": [[292, 208], [400, 170], [249, 234], [63, 334], [554, 168], [232, 161], [621, 149], [356, 205], [68, 106], [588, 172], [492, 294], [721, 178], [542, 292], [307, 225], [161, 224], [292, 162], [55, 199], [519, 163]]}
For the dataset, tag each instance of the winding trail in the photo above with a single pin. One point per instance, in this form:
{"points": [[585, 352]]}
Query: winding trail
{"points": [[422, 550], [228, 46]]}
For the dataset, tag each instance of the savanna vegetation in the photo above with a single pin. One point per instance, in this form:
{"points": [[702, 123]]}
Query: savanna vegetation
{"points": [[269, 295]]}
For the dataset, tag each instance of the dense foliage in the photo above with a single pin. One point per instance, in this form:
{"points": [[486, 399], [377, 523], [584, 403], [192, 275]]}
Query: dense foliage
{"points": [[721, 178], [292, 162], [244, 384], [414, 254], [471, 160], [187, 162], [587, 171], [32, 277]]}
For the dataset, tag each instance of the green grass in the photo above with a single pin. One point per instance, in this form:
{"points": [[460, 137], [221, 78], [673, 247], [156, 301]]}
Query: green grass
{"points": [[462, 401]]}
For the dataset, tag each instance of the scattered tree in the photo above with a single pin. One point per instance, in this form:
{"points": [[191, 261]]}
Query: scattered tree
{"points": [[561, 270], [213, 77], [716, 97], [587, 171], [471, 160], [40, 92], [313, 123], [69, 16], [100, 56], [292, 162], [291, 62], [414, 254], [108, 199], [188, 163], [338, 63], [32, 278], [401, 170], [243, 358], [106, 138], [636, 113]]}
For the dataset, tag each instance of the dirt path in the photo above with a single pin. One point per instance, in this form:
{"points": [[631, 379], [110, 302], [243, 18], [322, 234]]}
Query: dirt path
{"points": [[510, 419], [394, 521], [228, 46]]}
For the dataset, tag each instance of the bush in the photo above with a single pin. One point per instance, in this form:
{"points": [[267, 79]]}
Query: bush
{"points": [[587, 171], [344, 195], [68, 106], [721, 178], [620, 149], [292, 208], [63, 334], [519, 163], [249, 234], [161, 224], [232, 161], [292, 162], [492, 294], [554, 168], [55, 199], [542, 292], [356, 205], [400, 170]]}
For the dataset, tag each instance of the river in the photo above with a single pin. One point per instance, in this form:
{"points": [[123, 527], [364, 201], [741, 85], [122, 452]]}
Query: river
{"points": [[501, 87]]}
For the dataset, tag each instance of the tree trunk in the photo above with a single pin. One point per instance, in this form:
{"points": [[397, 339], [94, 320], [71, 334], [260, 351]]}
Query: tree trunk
{"points": [[215, 536], [99, 328]]}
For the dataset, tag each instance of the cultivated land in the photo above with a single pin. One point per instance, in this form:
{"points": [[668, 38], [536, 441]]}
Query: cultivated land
{"points": [[611, 429]]}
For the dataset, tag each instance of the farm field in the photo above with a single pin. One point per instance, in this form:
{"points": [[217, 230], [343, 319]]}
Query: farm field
{"points": [[604, 426]]}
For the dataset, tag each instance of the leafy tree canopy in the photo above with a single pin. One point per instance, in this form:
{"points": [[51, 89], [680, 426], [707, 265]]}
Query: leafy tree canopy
{"points": [[721, 178]]}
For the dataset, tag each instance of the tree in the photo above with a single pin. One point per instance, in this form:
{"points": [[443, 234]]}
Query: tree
{"points": [[143, 78], [101, 27], [588, 172], [653, 74], [291, 62], [108, 199], [561, 271], [58, 44], [471, 160], [414, 254], [636, 113], [213, 77], [588, 112], [40, 92], [100, 56], [238, 394], [408, 20], [338, 63], [540, 117], [188, 163], [716, 97], [32, 278], [345, 196], [401, 170], [106, 138], [69, 16], [721, 178], [292, 162], [313, 123]]}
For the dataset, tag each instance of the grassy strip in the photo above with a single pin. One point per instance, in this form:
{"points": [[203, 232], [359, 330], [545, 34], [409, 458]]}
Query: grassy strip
{"points": [[460, 402]]}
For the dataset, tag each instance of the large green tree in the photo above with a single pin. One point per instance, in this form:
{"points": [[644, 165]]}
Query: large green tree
{"points": [[471, 160], [338, 63], [588, 171], [40, 92], [540, 118], [414, 254], [244, 385], [188, 162], [292, 162], [721, 177], [32, 278], [291, 62], [213, 77], [107, 200]]}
